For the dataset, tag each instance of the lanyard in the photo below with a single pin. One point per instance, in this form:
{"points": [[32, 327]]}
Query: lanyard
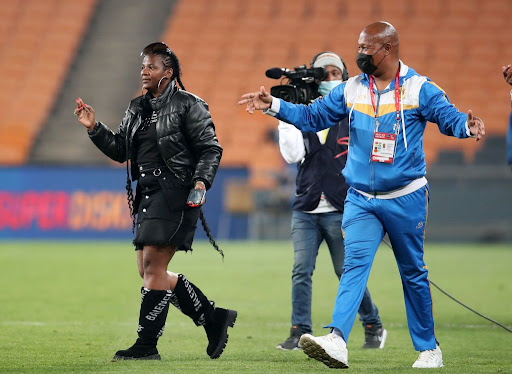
{"points": [[397, 97]]}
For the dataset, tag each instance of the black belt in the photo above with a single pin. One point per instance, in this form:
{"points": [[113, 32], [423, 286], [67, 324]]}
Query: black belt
{"points": [[153, 167]]}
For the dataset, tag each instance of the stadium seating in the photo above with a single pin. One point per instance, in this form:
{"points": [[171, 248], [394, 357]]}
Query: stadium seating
{"points": [[38, 40], [226, 46]]}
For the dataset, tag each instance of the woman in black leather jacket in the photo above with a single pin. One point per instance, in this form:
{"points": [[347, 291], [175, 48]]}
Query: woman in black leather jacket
{"points": [[169, 137]]}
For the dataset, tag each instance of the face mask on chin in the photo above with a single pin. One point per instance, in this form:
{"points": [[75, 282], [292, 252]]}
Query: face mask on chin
{"points": [[326, 86], [365, 63]]}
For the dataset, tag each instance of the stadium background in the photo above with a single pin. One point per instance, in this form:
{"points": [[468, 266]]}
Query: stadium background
{"points": [[53, 51], [67, 302]]}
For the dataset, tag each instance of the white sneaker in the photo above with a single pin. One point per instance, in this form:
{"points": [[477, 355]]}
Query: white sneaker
{"points": [[433, 358], [330, 349]]}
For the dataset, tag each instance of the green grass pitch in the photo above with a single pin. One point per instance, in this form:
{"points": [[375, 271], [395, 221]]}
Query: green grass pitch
{"points": [[66, 307]]}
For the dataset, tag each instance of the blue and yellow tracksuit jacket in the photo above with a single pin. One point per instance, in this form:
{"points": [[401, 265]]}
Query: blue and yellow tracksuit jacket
{"points": [[421, 101]]}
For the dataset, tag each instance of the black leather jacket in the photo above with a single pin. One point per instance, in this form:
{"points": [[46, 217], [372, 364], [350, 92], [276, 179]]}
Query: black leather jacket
{"points": [[185, 135]]}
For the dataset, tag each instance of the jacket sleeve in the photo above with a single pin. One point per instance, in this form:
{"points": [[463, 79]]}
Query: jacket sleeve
{"points": [[112, 144], [291, 143], [200, 132], [324, 112], [436, 107]]}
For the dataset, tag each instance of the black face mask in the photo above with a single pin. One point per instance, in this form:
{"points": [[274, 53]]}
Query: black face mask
{"points": [[364, 62]]}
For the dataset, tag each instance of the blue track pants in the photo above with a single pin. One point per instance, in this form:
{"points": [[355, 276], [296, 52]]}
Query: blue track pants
{"points": [[365, 222]]}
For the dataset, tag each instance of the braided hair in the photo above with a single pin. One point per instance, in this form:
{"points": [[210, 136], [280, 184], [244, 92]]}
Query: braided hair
{"points": [[209, 233], [129, 190], [170, 61]]}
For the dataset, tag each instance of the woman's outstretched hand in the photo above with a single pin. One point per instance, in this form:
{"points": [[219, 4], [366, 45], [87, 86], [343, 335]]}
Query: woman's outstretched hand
{"points": [[259, 100], [85, 114]]}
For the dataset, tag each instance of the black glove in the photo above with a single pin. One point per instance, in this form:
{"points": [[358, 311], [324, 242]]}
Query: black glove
{"points": [[196, 196]]}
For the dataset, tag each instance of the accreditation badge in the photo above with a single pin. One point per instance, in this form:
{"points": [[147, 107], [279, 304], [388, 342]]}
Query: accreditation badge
{"points": [[383, 149]]}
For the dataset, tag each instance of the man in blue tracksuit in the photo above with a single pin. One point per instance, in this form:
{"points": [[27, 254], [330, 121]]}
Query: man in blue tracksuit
{"points": [[318, 210], [387, 106], [507, 74]]}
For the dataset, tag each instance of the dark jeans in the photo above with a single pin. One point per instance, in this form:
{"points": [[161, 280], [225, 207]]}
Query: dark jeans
{"points": [[308, 232]]}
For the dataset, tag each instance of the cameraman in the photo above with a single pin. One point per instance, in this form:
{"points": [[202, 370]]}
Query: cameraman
{"points": [[318, 209]]}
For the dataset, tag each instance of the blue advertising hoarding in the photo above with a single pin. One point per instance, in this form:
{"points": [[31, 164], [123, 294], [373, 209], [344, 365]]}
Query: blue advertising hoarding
{"points": [[88, 203]]}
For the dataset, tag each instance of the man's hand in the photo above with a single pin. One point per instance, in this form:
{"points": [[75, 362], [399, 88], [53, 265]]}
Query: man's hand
{"points": [[476, 126], [85, 114], [507, 73], [259, 100]]}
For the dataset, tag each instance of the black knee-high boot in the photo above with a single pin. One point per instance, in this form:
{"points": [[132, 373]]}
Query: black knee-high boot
{"points": [[193, 303], [153, 313]]}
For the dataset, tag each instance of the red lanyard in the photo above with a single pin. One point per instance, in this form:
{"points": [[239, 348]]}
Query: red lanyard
{"points": [[397, 97]]}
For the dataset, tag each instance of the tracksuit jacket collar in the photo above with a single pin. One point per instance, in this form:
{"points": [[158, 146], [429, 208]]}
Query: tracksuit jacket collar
{"points": [[404, 73]]}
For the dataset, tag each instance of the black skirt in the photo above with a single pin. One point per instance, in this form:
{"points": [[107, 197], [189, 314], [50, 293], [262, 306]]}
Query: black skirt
{"points": [[163, 217]]}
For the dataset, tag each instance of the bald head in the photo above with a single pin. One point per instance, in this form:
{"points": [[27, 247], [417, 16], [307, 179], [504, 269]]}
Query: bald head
{"points": [[378, 50], [382, 33]]}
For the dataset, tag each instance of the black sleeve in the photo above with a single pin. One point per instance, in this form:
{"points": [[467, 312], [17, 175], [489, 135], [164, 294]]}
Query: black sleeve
{"points": [[112, 144], [200, 132]]}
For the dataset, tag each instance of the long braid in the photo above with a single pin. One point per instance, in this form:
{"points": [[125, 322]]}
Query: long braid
{"points": [[171, 61], [129, 190], [180, 83], [209, 233]]}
